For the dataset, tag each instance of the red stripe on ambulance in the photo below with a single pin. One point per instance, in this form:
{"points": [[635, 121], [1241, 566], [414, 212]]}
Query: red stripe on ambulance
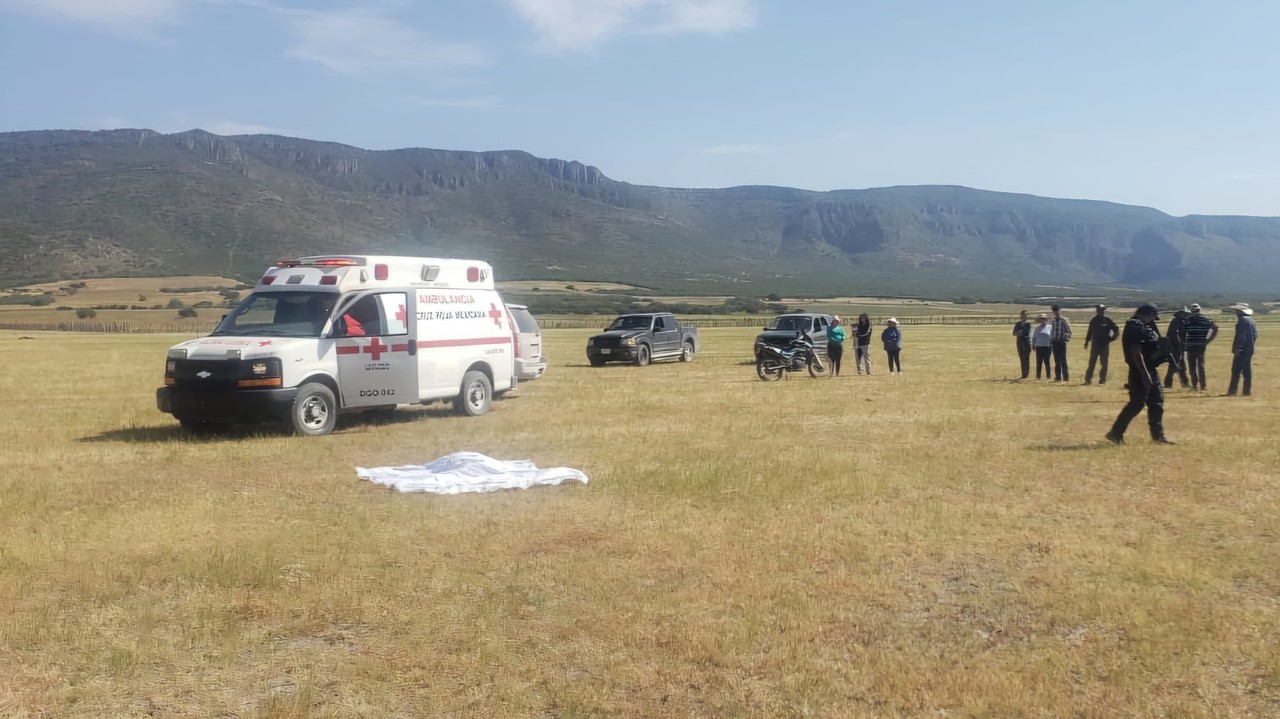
{"points": [[464, 343]]}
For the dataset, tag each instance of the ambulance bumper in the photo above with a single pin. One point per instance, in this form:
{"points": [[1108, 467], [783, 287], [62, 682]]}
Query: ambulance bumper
{"points": [[239, 405]]}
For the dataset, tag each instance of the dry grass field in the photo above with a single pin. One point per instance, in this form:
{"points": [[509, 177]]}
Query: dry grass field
{"points": [[946, 543]]}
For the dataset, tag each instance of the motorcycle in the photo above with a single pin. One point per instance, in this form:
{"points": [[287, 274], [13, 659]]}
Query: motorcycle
{"points": [[798, 356]]}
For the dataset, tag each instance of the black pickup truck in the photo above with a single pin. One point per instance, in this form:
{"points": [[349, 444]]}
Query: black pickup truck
{"points": [[642, 338]]}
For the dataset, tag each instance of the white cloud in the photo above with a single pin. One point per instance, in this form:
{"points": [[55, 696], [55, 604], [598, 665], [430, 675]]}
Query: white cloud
{"points": [[484, 102], [134, 17], [583, 24], [739, 150], [360, 42]]}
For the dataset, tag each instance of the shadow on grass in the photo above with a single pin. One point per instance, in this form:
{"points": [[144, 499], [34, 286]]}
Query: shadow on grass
{"points": [[347, 424], [1079, 447]]}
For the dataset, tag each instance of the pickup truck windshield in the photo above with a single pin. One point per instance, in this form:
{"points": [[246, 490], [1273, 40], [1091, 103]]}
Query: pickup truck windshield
{"points": [[791, 323], [279, 314], [634, 322]]}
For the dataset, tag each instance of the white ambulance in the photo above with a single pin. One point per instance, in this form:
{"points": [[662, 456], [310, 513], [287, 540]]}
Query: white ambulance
{"points": [[324, 335]]}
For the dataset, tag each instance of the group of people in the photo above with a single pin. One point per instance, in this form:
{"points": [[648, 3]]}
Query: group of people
{"points": [[890, 338], [1182, 348]]}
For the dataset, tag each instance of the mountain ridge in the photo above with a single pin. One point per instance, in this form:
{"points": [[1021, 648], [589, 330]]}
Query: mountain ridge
{"points": [[79, 204]]}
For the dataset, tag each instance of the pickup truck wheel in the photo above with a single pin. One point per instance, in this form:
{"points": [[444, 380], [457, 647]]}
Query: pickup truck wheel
{"points": [[315, 410], [476, 396], [686, 354], [768, 370], [642, 355]]}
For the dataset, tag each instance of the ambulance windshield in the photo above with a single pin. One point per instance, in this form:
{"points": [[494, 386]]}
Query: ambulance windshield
{"points": [[279, 314]]}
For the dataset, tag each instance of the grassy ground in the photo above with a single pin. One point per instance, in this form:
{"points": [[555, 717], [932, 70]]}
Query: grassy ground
{"points": [[943, 543]]}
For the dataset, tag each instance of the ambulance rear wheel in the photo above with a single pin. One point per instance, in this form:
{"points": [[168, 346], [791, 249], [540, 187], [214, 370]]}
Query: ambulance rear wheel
{"points": [[314, 411], [476, 396]]}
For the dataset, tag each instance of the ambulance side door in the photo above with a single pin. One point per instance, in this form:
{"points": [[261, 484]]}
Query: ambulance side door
{"points": [[377, 349]]}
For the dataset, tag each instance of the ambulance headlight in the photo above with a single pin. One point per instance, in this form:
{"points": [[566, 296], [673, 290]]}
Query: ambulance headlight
{"points": [[591, 343], [170, 366], [177, 354], [260, 369]]}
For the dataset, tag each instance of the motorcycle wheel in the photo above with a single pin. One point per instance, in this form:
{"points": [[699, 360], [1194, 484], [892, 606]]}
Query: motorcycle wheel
{"points": [[816, 369], [768, 370]]}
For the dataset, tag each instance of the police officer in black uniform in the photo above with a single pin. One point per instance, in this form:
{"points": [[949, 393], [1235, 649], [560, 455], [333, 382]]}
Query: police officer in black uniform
{"points": [[1141, 340]]}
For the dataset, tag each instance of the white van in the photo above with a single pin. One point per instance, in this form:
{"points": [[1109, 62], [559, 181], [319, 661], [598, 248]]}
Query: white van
{"points": [[529, 361], [330, 334]]}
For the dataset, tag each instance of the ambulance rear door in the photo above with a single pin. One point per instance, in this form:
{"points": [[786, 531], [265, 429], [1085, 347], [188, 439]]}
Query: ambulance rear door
{"points": [[376, 348]]}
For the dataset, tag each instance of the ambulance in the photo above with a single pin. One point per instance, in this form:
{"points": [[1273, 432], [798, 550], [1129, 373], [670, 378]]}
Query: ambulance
{"points": [[325, 335]]}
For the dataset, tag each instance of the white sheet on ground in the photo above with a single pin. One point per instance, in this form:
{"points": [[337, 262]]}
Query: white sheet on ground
{"points": [[463, 472]]}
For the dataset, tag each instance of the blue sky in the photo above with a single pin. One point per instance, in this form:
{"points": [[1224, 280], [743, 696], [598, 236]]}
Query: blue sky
{"points": [[1173, 104]]}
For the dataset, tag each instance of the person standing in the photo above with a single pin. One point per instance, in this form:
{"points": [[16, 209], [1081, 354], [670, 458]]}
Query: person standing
{"points": [[862, 343], [1022, 335], [835, 345], [1102, 332], [1242, 350], [892, 339], [1042, 340], [1200, 331], [1177, 335], [1061, 336], [1140, 342]]}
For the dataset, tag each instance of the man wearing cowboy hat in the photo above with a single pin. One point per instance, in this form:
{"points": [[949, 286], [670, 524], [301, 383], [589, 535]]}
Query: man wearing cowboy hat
{"points": [[1102, 332], [1140, 340], [1200, 331], [1242, 349], [1061, 329]]}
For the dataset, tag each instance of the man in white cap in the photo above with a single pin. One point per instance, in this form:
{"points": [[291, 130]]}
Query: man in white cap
{"points": [[1242, 349], [1200, 331]]}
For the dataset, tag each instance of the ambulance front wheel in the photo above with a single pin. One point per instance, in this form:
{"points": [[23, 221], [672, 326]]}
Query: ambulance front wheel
{"points": [[314, 411], [477, 394]]}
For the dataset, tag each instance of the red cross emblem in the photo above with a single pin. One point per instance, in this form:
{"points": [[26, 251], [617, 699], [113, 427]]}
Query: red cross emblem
{"points": [[264, 343], [402, 315], [495, 314], [375, 348]]}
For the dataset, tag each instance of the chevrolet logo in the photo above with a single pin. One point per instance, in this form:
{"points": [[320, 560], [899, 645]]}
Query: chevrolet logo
{"points": [[204, 374]]}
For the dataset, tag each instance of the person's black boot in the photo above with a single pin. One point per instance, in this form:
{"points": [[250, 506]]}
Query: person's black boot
{"points": [[1162, 440], [1114, 438]]}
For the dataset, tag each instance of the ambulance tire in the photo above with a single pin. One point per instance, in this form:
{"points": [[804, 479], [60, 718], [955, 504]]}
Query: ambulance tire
{"points": [[476, 396], [315, 410]]}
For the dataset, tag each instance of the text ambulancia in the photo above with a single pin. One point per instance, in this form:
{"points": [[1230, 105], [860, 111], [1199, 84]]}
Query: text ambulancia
{"points": [[331, 334]]}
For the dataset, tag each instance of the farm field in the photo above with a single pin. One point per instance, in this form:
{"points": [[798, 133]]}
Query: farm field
{"points": [[947, 542]]}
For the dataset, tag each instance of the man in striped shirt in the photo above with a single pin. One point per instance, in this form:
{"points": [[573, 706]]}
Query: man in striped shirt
{"points": [[1061, 332], [1199, 331]]}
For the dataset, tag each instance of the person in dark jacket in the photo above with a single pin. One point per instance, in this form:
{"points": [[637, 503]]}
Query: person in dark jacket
{"points": [[1199, 331], [1177, 335], [1102, 332], [1022, 337], [1140, 341], [892, 339], [862, 343], [1242, 350]]}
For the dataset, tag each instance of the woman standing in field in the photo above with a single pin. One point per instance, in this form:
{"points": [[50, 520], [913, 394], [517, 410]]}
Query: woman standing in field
{"points": [[835, 345], [862, 343], [892, 339], [1042, 340]]}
